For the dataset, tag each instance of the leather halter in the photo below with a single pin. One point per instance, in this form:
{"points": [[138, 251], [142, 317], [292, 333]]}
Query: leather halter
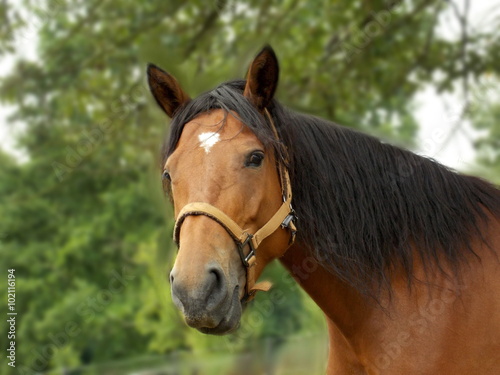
{"points": [[285, 218]]}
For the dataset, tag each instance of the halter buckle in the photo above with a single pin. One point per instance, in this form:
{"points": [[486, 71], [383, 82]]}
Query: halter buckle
{"points": [[241, 246], [289, 222]]}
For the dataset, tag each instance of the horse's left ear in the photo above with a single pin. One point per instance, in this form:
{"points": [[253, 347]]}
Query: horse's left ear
{"points": [[166, 90], [262, 78]]}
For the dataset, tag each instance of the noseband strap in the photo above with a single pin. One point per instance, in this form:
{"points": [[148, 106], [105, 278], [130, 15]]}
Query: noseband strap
{"points": [[285, 218]]}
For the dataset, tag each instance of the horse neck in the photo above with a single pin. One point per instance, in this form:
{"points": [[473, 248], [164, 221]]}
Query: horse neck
{"points": [[342, 305]]}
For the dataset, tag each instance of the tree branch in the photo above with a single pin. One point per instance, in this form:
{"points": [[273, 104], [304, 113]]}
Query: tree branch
{"points": [[463, 20], [207, 25]]}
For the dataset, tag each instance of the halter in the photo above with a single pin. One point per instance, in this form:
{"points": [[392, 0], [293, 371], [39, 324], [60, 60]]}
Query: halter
{"points": [[284, 218]]}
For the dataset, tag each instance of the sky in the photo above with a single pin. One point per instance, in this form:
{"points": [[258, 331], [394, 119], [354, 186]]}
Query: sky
{"points": [[26, 49], [438, 115]]}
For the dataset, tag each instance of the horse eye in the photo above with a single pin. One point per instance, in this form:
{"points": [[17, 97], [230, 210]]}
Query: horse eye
{"points": [[255, 159], [166, 176]]}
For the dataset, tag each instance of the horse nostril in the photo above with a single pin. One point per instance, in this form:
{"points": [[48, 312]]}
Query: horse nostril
{"points": [[217, 272], [171, 277], [216, 286]]}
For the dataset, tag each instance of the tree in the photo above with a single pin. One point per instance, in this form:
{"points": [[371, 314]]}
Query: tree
{"points": [[83, 221]]}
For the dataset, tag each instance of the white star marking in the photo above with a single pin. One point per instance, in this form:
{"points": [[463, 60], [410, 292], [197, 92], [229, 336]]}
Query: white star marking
{"points": [[208, 140]]}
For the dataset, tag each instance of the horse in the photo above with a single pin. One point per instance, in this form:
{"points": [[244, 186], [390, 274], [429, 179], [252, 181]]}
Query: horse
{"points": [[400, 252]]}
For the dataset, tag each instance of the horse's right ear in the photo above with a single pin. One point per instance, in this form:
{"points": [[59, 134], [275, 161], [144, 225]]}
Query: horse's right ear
{"points": [[166, 90]]}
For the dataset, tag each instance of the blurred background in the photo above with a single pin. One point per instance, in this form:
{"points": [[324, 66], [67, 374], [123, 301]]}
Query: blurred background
{"points": [[82, 216]]}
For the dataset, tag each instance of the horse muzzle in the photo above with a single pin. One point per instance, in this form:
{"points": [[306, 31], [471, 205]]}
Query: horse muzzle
{"points": [[207, 303]]}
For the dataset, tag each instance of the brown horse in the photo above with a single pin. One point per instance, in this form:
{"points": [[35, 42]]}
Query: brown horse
{"points": [[400, 253]]}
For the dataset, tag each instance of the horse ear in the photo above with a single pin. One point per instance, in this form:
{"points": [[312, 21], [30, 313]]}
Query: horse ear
{"points": [[166, 90], [262, 78]]}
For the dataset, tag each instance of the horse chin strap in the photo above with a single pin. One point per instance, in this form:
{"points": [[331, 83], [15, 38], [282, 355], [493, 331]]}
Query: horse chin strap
{"points": [[284, 218]]}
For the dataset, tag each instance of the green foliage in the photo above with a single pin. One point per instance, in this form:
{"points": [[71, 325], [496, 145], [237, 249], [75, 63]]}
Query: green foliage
{"points": [[484, 112], [83, 220]]}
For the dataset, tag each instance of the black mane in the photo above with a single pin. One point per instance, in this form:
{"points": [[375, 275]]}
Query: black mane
{"points": [[364, 206]]}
